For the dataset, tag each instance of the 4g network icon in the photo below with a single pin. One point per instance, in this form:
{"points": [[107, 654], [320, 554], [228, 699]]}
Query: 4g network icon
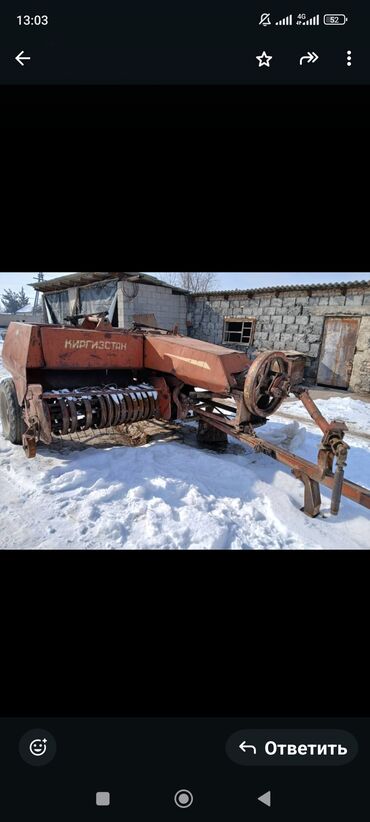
{"points": [[302, 20]]}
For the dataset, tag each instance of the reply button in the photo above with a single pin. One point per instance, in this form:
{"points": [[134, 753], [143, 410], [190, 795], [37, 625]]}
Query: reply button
{"points": [[291, 747]]}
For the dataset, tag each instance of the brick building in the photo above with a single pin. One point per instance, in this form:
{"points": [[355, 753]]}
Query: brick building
{"points": [[126, 296], [329, 323]]}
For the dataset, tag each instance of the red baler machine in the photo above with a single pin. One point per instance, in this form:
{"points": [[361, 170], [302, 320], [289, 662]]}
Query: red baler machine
{"points": [[71, 378]]}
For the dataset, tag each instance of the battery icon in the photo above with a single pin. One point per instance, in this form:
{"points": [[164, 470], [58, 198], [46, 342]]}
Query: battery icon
{"points": [[335, 19]]}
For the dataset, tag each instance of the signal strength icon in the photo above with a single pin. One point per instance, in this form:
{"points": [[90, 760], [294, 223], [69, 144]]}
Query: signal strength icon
{"points": [[313, 21], [285, 21]]}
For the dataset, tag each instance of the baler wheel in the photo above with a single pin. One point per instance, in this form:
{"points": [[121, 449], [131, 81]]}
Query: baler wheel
{"points": [[267, 383], [11, 413]]}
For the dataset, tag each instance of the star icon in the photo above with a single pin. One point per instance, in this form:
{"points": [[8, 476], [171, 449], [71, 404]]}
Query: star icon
{"points": [[264, 59]]}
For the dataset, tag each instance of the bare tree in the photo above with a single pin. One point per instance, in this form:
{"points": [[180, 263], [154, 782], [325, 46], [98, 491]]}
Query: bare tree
{"points": [[193, 281]]}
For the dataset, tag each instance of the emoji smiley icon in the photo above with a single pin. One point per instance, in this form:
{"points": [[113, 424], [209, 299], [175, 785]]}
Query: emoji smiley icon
{"points": [[38, 747]]}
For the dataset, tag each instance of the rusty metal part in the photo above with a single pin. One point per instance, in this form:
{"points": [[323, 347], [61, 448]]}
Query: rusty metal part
{"points": [[341, 457], [88, 413], [28, 347], [130, 407], [201, 395], [103, 411], [110, 409], [140, 405], [65, 417], [337, 489], [350, 489], [312, 496], [164, 396], [194, 362], [71, 406], [318, 418], [332, 446], [267, 383], [153, 407], [43, 414], [238, 416], [297, 362], [243, 414], [115, 411], [122, 406], [65, 412], [29, 445], [37, 420], [145, 399], [81, 409], [36, 414], [181, 402], [325, 459], [136, 408]]}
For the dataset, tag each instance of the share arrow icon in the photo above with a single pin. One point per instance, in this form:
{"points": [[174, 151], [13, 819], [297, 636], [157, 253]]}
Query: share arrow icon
{"points": [[311, 57]]}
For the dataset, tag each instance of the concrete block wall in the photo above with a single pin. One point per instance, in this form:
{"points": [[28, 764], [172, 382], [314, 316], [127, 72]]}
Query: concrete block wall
{"points": [[288, 320], [169, 309], [360, 378], [25, 316]]}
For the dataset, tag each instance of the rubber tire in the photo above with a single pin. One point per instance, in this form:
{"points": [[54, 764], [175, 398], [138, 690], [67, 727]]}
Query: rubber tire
{"points": [[11, 413]]}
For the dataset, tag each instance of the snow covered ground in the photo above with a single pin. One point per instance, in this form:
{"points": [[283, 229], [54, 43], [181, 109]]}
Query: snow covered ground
{"points": [[171, 496], [355, 413]]}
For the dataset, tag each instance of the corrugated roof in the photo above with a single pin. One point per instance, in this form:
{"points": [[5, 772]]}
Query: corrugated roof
{"points": [[273, 288], [86, 278]]}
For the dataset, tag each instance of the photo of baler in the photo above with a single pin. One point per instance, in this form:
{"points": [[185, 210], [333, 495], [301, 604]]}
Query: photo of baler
{"points": [[87, 375]]}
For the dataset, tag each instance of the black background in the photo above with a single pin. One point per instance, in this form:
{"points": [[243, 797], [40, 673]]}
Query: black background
{"points": [[182, 108]]}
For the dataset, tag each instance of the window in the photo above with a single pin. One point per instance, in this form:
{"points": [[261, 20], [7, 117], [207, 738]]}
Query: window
{"points": [[238, 330]]}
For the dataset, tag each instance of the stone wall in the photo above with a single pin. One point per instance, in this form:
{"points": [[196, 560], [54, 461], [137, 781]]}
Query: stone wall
{"points": [[360, 379], [288, 320]]}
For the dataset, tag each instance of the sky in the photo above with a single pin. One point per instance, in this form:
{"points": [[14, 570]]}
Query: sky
{"points": [[229, 280], [233, 280], [15, 281]]}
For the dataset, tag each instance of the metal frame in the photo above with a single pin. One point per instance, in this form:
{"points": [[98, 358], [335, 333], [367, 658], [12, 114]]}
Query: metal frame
{"points": [[312, 475]]}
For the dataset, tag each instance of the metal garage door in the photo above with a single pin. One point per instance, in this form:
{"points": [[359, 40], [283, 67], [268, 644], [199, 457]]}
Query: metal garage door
{"points": [[337, 351]]}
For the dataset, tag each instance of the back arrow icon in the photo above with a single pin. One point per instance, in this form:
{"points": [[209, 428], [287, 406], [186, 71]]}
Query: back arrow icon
{"points": [[20, 58], [311, 57], [243, 746]]}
